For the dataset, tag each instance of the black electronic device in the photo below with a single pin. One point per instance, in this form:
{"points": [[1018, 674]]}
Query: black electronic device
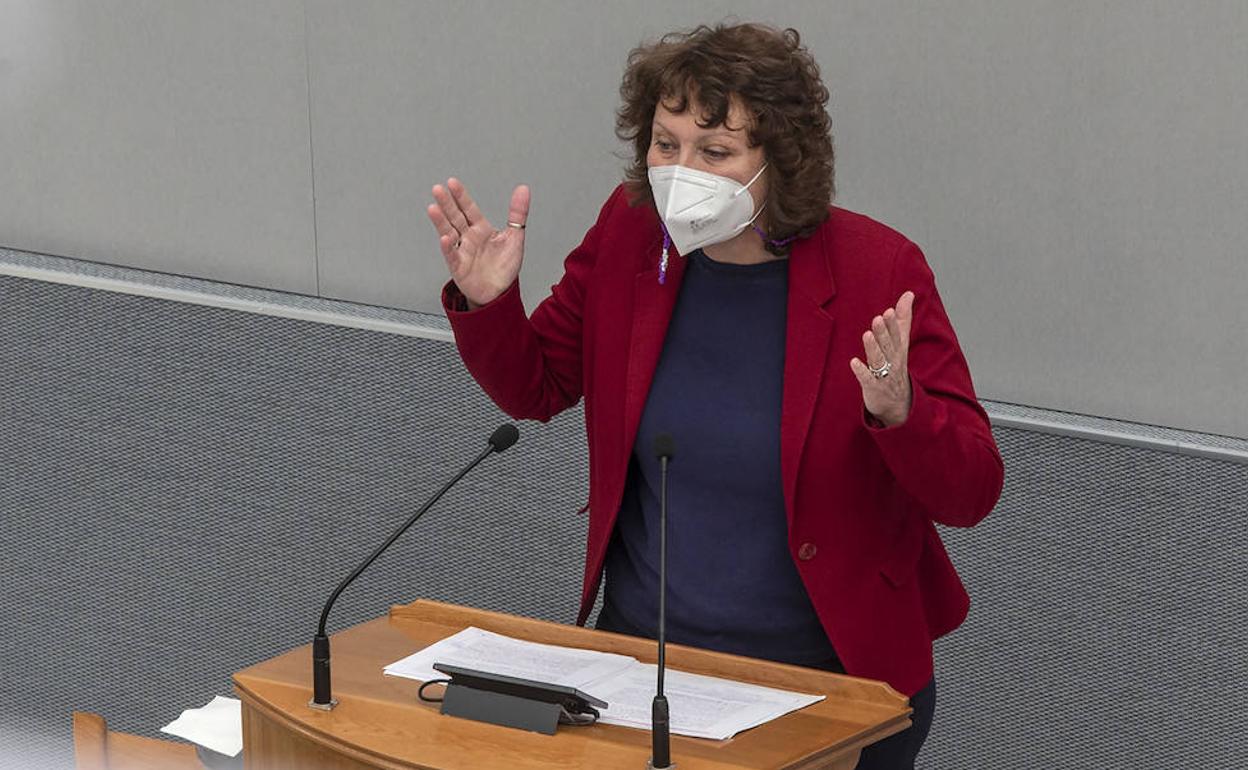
{"points": [[513, 702]]}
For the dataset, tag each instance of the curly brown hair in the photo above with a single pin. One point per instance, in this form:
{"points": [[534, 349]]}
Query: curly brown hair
{"points": [[778, 83]]}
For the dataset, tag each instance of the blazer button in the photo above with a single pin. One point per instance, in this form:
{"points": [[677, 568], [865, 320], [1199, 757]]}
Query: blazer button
{"points": [[807, 551]]}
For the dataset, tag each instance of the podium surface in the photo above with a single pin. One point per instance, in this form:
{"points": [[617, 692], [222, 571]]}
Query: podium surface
{"points": [[380, 723]]}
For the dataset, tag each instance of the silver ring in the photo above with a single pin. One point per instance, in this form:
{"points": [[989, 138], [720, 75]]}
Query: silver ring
{"points": [[881, 372], [517, 225]]}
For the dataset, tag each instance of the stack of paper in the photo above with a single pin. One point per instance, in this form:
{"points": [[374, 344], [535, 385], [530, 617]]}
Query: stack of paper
{"points": [[498, 654], [701, 706]]}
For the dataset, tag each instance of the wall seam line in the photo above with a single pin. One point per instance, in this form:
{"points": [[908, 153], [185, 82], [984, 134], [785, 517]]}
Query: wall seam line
{"points": [[307, 84], [331, 316], [1121, 438], [208, 299]]}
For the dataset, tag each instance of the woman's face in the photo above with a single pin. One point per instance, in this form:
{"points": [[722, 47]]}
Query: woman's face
{"points": [[677, 139]]}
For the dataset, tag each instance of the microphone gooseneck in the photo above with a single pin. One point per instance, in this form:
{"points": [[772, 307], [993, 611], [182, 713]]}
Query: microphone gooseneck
{"points": [[660, 718], [503, 437]]}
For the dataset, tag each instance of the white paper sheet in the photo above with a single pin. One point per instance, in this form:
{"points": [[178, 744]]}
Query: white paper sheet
{"points": [[217, 726], [701, 706], [498, 654]]}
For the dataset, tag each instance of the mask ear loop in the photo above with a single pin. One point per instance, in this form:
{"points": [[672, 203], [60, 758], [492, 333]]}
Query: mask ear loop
{"points": [[760, 208], [753, 179], [761, 233]]}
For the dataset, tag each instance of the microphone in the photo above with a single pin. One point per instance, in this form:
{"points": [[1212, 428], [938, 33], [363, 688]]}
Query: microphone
{"points": [[502, 438], [660, 730]]}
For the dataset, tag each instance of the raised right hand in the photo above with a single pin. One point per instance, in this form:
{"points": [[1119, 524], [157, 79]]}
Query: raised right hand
{"points": [[482, 260]]}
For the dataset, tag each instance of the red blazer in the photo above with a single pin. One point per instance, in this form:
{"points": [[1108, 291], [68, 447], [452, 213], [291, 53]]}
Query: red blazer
{"points": [[860, 501]]}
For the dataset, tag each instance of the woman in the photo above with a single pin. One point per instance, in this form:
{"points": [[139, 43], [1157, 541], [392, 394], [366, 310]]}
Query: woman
{"points": [[798, 353]]}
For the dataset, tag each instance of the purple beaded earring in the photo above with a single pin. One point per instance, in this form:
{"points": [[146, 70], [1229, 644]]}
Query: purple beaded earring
{"points": [[667, 243]]}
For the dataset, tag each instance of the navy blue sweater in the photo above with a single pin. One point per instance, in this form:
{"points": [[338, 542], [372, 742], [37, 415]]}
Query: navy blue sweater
{"points": [[732, 585]]}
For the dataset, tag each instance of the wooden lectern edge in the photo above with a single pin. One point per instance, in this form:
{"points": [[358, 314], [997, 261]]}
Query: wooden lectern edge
{"points": [[866, 692], [321, 737], [878, 702], [854, 748]]}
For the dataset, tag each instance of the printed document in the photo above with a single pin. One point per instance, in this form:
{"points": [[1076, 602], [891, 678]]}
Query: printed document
{"points": [[701, 706]]}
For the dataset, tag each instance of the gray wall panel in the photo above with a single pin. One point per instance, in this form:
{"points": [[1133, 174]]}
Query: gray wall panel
{"points": [[166, 136], [405, 94], [1109, 609], [1073, 171]]}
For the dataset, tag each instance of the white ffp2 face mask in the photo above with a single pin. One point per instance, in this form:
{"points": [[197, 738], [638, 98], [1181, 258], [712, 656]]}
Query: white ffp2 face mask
{"points": [[699, 208]]}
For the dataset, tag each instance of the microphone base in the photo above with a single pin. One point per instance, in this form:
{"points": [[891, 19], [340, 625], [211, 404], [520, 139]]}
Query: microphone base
{"points": [[650, 766], [323, 706]]}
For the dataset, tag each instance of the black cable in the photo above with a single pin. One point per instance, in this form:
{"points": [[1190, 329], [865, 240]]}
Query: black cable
{"points": [[421, 692], [577, 719]]}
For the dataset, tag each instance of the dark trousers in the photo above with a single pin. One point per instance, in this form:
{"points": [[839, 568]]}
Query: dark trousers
{"points": [[896, 752]]}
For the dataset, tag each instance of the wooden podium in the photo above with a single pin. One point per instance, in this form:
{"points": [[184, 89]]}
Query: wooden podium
{"points": [[380, 723]]}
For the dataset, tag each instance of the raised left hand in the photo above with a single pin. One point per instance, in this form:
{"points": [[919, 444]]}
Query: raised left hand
{"points": [[887, 397]]}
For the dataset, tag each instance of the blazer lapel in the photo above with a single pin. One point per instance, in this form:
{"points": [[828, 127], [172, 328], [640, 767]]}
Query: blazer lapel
{"points": [[653, 303], [808, 334]]}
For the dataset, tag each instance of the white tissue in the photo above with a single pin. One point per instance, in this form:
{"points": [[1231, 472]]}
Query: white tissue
{"points": [[217, 726]]}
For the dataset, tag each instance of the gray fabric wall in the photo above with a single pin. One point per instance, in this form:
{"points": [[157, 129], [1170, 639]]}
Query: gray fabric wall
{"points": [[181, 486]]}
